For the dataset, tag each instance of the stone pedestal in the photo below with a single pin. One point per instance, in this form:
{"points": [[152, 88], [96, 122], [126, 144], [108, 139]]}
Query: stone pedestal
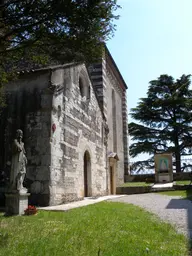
{"points": [[164, 178], [16, 203]]}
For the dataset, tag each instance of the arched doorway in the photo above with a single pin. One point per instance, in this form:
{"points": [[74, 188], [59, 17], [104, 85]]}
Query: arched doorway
{"points": [[87, 174]]}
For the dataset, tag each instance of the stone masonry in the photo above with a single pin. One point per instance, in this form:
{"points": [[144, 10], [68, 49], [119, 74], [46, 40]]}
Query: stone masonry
{"points": [[107, 80], [78, 129], [63, 112]]}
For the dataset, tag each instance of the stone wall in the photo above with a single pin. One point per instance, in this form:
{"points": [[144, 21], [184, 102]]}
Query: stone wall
{"points": [[151, 177], [115, 131], [125, 136], [63, 117], [132, 190], [111, 93], [28, 108], [79, 128], [59, 126], [140, 178], [105, 83]]}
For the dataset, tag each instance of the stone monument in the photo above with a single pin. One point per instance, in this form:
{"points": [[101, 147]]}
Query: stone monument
{"points": [[17, 196], [163, 168]]}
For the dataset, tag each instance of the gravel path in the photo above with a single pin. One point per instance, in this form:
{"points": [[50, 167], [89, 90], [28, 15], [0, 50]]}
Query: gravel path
{"points": [[171, 209]]}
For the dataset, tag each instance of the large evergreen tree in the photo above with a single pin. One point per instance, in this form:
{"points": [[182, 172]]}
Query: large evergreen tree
{"points": [[163, 121]]}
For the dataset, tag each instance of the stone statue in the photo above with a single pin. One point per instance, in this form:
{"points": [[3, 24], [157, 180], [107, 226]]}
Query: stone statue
{"points": [[19, 162]]}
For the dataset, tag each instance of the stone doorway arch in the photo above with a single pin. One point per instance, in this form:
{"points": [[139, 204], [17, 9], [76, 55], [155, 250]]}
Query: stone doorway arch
{"points": [[87, 175]]}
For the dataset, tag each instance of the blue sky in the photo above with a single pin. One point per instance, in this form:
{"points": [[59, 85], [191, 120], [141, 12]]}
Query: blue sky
{"points": [[153, 37]]}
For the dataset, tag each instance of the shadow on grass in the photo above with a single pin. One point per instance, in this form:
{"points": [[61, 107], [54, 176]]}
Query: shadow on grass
{"points": [[185, 203], [2, 209]]}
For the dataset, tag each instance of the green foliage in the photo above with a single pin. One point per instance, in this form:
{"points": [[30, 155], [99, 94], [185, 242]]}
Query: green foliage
{"points": [[35, 33], [163, 121], [136, 184], [183, 182], [109, 228], [73, 25]]}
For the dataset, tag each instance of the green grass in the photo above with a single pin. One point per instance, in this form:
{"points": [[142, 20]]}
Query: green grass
{"points": [[144, 184], [183, 193], [136, 184], [116, 229], [183, 182]]}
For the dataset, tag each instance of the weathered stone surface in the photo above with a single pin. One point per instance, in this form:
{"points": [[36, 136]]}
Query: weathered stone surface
{"points": [[62, 124], [16, 203], [80, 130], [29, 109]]}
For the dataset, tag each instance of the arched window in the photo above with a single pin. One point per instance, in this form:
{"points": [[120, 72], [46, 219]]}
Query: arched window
{"points": [[114, 122], [84, 87], [81, 87]]}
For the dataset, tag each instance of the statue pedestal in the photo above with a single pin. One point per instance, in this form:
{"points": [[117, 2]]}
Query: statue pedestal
{"points": [[16, 203]]}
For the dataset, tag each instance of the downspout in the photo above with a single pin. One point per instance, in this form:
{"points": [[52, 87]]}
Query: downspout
{"points": [[51, 88], [106, 132]]}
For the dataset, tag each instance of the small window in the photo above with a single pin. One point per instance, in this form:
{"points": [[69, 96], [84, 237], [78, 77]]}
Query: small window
{"points": [[81, 87], [84, 88]]}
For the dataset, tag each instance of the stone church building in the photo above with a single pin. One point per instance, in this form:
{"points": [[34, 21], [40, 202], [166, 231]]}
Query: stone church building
{"points": [[74, 121]]}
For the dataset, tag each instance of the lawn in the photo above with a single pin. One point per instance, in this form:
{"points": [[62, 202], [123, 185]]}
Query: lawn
{"points": [[183, 182], [105, 229], [144, 184], [136, 184], [183, 193]]}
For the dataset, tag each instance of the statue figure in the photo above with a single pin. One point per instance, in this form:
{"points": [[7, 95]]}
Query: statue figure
{"points": [[163, 165], [19, 162]]}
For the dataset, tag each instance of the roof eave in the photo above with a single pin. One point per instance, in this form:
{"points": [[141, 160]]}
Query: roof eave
{"points": [[115, 65]]}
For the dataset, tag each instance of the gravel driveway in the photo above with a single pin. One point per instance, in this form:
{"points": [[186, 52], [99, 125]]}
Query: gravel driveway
{"points": [[172, 209]]}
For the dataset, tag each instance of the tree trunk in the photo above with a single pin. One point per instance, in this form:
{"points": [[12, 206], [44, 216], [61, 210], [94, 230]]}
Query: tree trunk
{"points": [[178, 161], [177, 150]]}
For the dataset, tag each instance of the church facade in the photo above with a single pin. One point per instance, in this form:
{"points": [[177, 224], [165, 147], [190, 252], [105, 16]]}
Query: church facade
{"points": [[74, 121]]}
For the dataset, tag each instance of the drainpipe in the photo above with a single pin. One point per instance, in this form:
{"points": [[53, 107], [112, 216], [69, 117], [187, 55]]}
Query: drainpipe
{"points": [[106, 132], [106, 167]]}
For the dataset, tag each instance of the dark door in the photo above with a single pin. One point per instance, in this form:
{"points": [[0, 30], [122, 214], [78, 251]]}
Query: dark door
{"points": [[111, 179], [86, 161]]}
